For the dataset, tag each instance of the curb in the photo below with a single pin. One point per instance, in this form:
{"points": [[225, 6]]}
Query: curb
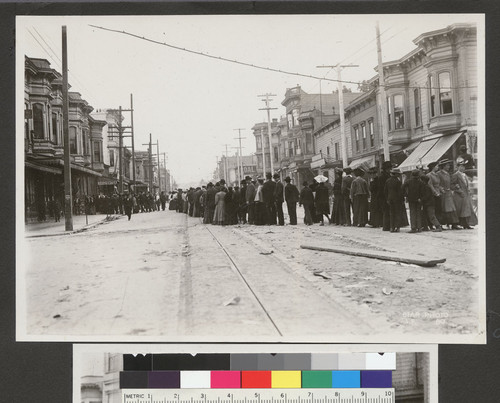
{"points": [[76, 231]]}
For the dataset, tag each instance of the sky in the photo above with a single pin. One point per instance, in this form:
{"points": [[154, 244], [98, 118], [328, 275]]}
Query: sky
{"points": [[192, 104]]}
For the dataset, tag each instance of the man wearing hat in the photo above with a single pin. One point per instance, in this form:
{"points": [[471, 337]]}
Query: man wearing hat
{"points": [[374, 207], [448, 211], [338, 210], [307, 200], [414, 192], [279, 199], [462, 198], [250, 197], [242, 211], [395, 200], [359, 197], [346, 194], [464, 158], [268, 190], [382, 200], [291, 198]]}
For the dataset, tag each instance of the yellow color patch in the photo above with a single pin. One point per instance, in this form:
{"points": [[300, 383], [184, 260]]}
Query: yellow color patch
{"points": [[286, 379]]}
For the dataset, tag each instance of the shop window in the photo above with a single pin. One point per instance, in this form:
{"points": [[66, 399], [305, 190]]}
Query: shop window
{"points": [[72, 140], [418, 116], [445, 100], [38, 126]]}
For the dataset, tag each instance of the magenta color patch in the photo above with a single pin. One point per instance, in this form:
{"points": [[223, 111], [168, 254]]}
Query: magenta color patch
{"points": [[225, 379]]}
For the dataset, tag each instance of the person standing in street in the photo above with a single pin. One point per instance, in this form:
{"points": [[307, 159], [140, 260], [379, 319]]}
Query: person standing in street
{"points": [[394, 197], [322, 202], [242, 210], [448, 210], [307, 200], [250, 200], [346, 194], [434, 184], [376, 210], [279, 199], [259, 205], [291, 198], [268, 190], [220, 208], [413, 190], [462, 198], [359, 196], [382, 199], [338, 210], [428, 204], [128, 205], [209, 204]]}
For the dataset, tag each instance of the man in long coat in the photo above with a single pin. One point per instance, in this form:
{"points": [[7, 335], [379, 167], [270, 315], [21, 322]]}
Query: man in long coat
{"points": [[307, 200], [462, 197], [209, 204], [268, 189], [359, 196], [394, 197], [242, 211], [448, 211], [250, 200], [291, 197], [346, 194], [278, 199], [381, 196]]}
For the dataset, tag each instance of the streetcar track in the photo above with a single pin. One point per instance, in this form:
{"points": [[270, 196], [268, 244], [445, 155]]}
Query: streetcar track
{"points": [[240, 274]]}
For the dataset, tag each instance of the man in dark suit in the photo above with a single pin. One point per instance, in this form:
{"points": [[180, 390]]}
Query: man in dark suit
{"points": [[250, 197], [291, 197], [394, 197], [279, 198], [307, 200], [346, 194], [268, 190]]}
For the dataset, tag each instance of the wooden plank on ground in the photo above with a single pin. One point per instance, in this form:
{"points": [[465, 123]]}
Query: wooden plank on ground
{"points": [[382, 255]]}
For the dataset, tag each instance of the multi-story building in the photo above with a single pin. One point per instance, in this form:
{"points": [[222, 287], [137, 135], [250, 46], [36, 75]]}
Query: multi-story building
{"points": [[91, 389], [431, 96], [305, 114], [249, 163], [44, 147], [113, 364], [262, 147]]}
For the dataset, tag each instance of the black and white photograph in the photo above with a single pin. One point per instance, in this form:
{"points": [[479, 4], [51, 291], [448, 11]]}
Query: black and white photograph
{"points": [[96, 368], [251, 178]]}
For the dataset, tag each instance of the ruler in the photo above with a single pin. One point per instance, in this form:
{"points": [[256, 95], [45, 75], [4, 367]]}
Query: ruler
{"points": [[338, 395]]}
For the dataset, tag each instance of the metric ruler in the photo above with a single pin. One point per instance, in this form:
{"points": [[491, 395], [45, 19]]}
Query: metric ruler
{"points": [[338, 395]]}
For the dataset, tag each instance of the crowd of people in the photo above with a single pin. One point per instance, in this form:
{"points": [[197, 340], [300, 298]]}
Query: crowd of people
{"points": [[437, 199]]}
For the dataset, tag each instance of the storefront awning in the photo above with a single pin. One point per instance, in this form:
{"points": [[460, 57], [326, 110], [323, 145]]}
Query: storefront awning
{"points": [[428, 151], [364, 163], [44, 168]]}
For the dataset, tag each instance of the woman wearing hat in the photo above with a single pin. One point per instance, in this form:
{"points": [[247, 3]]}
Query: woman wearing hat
{"points": [[322, 202], [382, 200], [434, 184], [462, 198], [338, 211], [448, 210]]}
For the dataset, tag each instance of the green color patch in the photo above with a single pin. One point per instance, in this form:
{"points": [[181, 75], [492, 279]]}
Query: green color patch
{"points": [[316, 379]]}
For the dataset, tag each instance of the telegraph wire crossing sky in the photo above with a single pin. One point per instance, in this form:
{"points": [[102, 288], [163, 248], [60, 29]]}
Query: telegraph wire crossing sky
{"points": [[191, 101]]}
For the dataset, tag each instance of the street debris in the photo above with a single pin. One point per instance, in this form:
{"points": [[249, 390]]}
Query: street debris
{"points": [[233, 301], [322, 275], [266, 253], [384, 290], [56, 316]]}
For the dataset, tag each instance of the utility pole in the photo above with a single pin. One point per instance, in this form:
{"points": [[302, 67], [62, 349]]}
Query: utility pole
{"points": [[120, 151], [226, 166], [239, 138], [339, 67], [383, 104], [132, 135], [263, 153], [150, 170], [68, 199], [269, 134], [158, 163]]}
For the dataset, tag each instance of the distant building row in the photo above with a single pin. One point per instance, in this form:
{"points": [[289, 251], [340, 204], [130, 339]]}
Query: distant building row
{"points": [[431, 98], [93, 142]]}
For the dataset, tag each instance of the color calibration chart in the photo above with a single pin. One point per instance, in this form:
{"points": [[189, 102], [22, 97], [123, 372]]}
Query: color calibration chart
{"points": [[258, 378]]}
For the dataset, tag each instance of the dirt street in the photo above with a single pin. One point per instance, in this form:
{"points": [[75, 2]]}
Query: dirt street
{"points": [[164, 276]]}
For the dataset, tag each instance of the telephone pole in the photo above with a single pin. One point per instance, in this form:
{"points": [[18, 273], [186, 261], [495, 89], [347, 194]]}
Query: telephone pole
{"points": [[339, 67], [150, 170], [240, 167], [263, 153], [68, 198], [158, 163], [383, 104], [269, 134], [120, 151], [132, 135], [226, 167]]}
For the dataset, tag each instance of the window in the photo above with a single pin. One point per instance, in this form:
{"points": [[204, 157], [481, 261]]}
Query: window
{"points": [[85, 142], [308, 143], [371, 132], [259, 142], [337, 151], [321, 152], [290, 148], [363, 135], [389, 112], [38, 128], [399, 115], [266, 141], [328, 150], [295, 114], [97, 151], [356, 137], [416, 98], [432, 97], [276, 154], [112, 159], [445, 101], [290, 120], [54, 128], [72, 140], [259, 161]]}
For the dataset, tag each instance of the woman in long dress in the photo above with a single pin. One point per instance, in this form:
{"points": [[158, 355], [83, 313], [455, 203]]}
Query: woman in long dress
{"points": [[219, 207], [322, 202], [338, 210], [448, 210]]}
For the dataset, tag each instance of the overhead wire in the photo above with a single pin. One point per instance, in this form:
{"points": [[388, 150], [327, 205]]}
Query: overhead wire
{"points": [[247, 64]]}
